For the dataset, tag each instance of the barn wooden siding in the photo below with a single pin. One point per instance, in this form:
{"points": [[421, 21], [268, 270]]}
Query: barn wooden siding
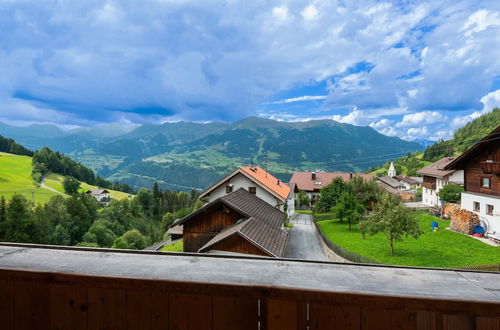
{"points": [[238, 244], [53, 300], [473, 172], [200, 230]]}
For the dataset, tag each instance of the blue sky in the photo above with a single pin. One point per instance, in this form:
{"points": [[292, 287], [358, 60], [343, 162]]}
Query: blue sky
{"points": [[412, 69]]}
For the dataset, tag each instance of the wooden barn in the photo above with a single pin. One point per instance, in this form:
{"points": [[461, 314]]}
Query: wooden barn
{"points": [[238, 222]]}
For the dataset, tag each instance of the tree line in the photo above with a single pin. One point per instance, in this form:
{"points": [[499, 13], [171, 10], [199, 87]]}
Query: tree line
{"points": [[45, 160], [79, 220], [10, 146]]}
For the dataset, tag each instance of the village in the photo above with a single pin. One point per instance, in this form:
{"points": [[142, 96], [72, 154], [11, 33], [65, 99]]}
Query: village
{"points": [[249, 211]]}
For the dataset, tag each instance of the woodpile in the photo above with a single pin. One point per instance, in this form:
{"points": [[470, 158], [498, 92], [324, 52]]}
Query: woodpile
{"points": [[462, 221]]}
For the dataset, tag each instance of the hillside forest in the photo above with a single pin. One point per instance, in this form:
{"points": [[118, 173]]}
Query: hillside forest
{"points": [[79, 220]]}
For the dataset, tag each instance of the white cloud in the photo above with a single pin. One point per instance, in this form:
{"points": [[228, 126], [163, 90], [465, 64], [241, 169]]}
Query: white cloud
{"points": [[310, 12], [300, 99], [420, 118], [491, 100], [281, 13], [480, 21]]}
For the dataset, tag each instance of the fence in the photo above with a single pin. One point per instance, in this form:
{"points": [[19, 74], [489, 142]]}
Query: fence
{"points": [[353, 257], [486, 268], [346, 254]]}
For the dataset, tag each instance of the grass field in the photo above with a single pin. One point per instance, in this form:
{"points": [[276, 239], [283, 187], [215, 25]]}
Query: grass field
{"points": [[173, 247], [15, 178], [443, 248], [55, 181]]}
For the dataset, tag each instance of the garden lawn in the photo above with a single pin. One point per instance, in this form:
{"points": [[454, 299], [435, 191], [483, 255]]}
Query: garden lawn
{"points": [[173, 247], [303, 211], [443, 248]]}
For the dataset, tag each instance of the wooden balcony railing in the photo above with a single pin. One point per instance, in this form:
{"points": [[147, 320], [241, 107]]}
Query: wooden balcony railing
{"points": [[429, 185], [490, 167], [71, 288]]}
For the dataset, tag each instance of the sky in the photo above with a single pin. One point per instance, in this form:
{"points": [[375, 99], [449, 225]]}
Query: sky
{"points": [[412, 69]]}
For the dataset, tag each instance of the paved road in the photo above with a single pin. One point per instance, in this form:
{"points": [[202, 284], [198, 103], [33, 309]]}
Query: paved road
{"points": [[302, 240]]}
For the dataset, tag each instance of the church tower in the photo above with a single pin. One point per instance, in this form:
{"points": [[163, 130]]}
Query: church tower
{"points": [[392, 171]]}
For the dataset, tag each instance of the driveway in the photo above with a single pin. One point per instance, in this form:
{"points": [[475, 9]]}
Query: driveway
{"points": [[302, 240]]}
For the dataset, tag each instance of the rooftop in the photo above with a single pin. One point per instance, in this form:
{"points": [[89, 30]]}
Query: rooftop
{"points": [[304, 180], [436, 169]]}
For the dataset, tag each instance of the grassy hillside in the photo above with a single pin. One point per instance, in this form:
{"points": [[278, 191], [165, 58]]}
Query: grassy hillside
{"points": [[15, 178], [55, 181]]}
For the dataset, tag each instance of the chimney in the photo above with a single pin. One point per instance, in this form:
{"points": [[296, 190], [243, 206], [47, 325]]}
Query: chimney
{"points": [[350, 176], [313, 176], [278, 182]]}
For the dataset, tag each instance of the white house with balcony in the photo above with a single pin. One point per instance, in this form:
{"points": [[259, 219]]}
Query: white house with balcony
{"points": [[436, 177]]}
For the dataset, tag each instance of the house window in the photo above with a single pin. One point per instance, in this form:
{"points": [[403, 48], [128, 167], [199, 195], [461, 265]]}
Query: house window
{"points": [[486, 182], [489, 209], [477, 206], [252, 190], [229, 188]]}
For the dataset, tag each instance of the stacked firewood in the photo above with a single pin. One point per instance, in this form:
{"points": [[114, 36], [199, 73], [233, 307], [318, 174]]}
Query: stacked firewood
{"points": [[450, 209], [462, 221]]}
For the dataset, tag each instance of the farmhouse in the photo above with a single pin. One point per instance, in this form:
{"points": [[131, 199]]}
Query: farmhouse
{"points": [[481, 167], [100, 195], [436, 176], [237, 222], [408, 182], [312, 182], [257, 181]]}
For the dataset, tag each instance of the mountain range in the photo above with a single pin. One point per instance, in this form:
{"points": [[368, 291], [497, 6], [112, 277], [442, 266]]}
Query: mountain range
{"points": [[186, 155]]}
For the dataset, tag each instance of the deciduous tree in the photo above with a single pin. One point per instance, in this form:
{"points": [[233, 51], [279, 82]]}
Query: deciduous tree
{"points": [[392, 218]]}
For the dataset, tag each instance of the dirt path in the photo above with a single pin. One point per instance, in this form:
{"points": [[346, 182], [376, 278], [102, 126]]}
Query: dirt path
{"points": [[42, 185]]}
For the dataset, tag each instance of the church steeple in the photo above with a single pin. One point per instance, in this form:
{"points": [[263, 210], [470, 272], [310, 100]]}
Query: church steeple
{"points": [[392, 171]]}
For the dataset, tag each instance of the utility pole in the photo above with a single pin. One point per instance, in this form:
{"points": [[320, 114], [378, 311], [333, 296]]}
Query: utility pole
{"points": [[266, 157], [33, 195]]}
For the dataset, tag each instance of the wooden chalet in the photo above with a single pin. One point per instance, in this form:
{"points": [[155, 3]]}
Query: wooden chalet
{"points": [[238, 222], [481, 166]]}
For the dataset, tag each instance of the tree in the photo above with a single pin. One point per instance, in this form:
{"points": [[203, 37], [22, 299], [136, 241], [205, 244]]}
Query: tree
{"points": [[18, 225], [366, 192], [329, 195], [392, 218], [302, 200], [348, 208], [132, 239], [451, 193], [71, 185], [3, 216]]}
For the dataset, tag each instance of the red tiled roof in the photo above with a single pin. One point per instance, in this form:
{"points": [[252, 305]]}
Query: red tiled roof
{"points": [[272, 183], [259, 175], [304, 181]]}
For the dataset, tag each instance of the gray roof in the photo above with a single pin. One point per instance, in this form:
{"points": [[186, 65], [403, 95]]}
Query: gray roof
{"points": [[97, 191], [262, 224], [437, 169], [270, 238], [390, 181]]}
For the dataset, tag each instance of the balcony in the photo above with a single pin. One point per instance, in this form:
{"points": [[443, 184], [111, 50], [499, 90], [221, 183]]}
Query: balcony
{"points": [[429, 185], [490, 167], [81, 288]]}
